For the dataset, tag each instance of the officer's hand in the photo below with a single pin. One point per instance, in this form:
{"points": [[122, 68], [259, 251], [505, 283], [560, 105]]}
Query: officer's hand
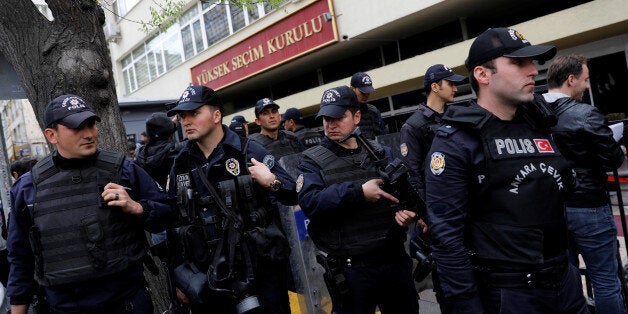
{"points": [[116, 195], [422, 225], [373, 192], [261, 173], [405, 218], [182, 297]]}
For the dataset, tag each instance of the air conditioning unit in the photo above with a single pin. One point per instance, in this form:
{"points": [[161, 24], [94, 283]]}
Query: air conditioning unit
{"points": [[112, 32]]}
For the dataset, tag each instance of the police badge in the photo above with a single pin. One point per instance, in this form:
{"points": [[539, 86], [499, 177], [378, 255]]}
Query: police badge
{"points": [[233, 166], [437, 164], [269, 161]]}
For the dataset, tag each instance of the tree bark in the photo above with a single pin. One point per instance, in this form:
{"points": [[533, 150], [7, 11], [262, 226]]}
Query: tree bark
{"points": [[68, 55]]}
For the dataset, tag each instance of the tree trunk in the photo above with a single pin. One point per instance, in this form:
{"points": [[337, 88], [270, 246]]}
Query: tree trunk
{"points": [[68, 55]]}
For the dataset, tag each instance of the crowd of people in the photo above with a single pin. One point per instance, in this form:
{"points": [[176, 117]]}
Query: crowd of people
{"points": [[513, 185]]}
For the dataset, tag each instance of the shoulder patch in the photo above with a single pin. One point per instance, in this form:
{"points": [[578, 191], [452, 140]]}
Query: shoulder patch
{"points": [[299, 183], [437, 163], [403, 148], [269, 161]]}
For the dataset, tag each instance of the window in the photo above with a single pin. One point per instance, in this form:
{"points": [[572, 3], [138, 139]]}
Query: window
{"points": [[119, 8], [216, 24], [129, 81], [191, 33], [188, 44], [198, 36], [237, 17], [192, 38], [198, 28], [122, 7], [141, 68], [253, 14], [173, 50]]}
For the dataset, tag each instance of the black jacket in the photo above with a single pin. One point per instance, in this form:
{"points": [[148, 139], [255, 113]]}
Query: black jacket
{"points": [[584, 139], [157, 158]]}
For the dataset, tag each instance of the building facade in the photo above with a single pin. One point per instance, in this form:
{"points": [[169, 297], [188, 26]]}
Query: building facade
{"points": [[294, 52], [22, 135]]}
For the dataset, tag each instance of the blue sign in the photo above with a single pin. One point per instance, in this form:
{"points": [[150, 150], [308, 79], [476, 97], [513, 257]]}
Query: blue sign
{"points": [[302, 223]]}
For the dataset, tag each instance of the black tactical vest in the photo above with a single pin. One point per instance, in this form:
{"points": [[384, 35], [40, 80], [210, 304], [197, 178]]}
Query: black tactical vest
{"points": [[230, 177], [368, 122], [284, 145], [517, 211], [308, 137], [368, 230], [75, 235], [426, 126]]}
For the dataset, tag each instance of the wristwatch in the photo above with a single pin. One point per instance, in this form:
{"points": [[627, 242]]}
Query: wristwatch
{"points": [[276, 185]]}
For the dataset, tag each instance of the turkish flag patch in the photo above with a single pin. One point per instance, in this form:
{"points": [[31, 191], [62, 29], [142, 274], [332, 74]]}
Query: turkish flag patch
{"points": [[543, 146]]}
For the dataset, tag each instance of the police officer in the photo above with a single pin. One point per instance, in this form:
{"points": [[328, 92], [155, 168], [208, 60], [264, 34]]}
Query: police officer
{"points": [[278, 142], [157, 155], [244, 252], [77, 221], [416, 138], [241, 121], [418, 132], [359, 237], [371, 124], [292, 121], [493, 187], [22, 165], [19, 167]]}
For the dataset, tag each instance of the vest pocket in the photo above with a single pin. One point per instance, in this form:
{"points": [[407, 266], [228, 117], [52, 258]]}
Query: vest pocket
{"points": [[94, 234], [194, 242], [268, 243]]}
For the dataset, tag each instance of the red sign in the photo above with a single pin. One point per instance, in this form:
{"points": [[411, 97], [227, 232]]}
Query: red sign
{"points": [[300, 33]]}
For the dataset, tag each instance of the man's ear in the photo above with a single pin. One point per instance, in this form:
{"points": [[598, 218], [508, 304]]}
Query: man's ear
{"points": [[357, 117], [571, 79], [51, 135], [257, 121], [217, 116], [482, 74], [434, 87]]}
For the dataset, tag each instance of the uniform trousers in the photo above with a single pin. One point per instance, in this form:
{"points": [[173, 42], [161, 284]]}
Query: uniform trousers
{"points": [[388, 285], [565, 298]]}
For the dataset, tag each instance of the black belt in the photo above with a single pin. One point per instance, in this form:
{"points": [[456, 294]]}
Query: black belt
{"points": [[549, 278]]}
